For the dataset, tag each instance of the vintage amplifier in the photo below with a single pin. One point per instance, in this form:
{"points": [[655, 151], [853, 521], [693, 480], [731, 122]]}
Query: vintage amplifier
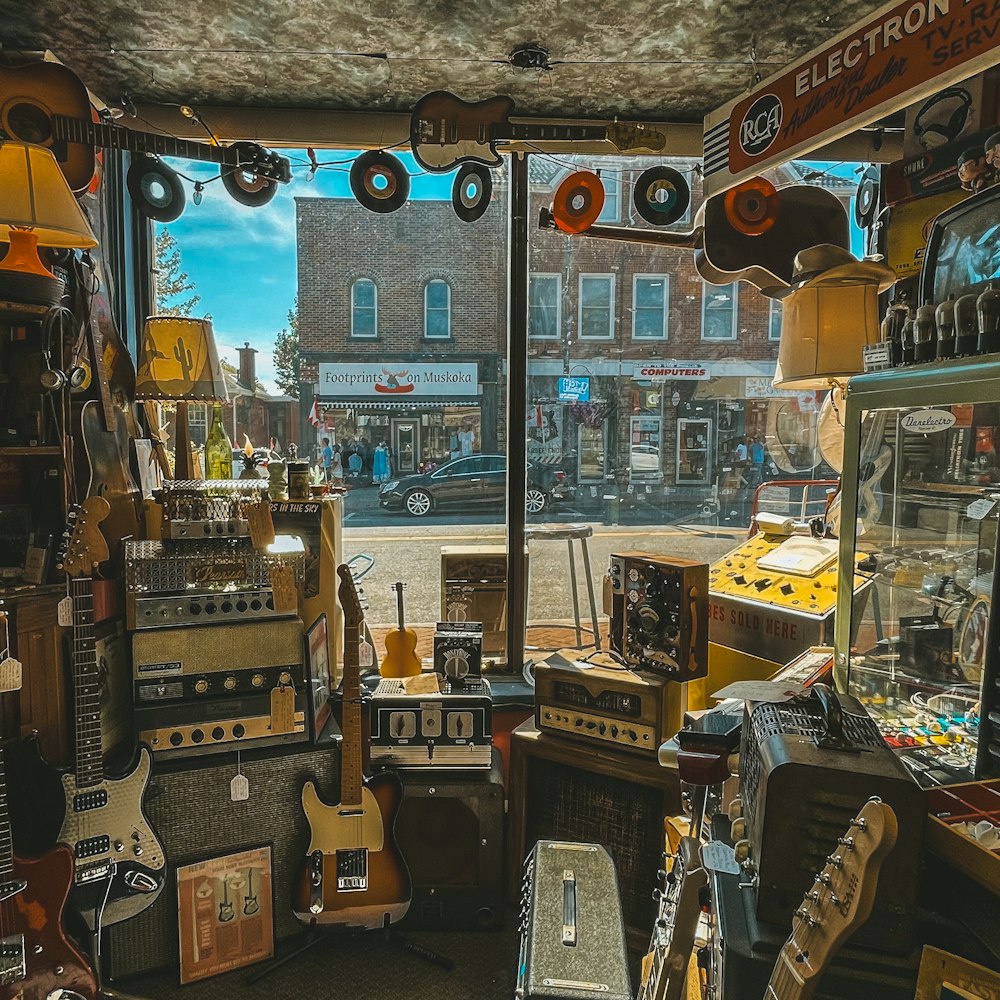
{"points": [[806, 768], [659, 614], [199, 509], [452, 728], [572, 933], [202, 688], [589, 702], [219, 581]]}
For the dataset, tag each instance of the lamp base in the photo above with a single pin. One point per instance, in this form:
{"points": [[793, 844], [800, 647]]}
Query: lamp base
{"points": [[34, 289]]}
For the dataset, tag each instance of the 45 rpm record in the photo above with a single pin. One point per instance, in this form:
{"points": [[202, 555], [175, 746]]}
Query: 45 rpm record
{"points": [[866, 200], [752, 207], [578, 202], [661, 195], [246, 187], [379, 181], [470, 194], [155, 188]]}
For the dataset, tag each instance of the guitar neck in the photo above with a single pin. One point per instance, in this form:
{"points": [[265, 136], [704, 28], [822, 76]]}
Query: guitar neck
{"points": [[6, 841], [351, 774], [784, 983], [86, 686], [116, 137], [400, 621], [550, 133]]}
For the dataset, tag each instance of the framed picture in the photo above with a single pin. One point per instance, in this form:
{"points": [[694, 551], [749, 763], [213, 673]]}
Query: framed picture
{"points": [[225, 913], [318, 678]]}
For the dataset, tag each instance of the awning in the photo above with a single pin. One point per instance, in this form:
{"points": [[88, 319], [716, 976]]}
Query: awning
{"points": [[414, 404]]}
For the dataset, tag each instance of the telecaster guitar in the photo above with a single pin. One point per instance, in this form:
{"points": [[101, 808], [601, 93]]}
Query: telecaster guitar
{"points": [[104, 825], [354, 874]]}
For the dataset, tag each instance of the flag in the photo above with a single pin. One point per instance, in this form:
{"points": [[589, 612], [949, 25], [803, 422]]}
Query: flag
{"points": [[314, 416]]}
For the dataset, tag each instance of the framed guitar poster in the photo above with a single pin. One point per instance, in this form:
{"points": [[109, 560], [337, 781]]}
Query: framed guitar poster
{"points": [[225, 915], [319, 677]]}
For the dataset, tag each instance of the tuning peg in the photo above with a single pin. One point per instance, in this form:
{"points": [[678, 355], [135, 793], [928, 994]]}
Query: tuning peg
{"points": [[735, 808]]}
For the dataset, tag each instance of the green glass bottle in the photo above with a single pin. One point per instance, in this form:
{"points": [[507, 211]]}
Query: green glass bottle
{"points": [[218, 448]]}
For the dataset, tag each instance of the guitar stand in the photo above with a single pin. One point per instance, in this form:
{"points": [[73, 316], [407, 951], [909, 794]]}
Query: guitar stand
{"points": [[313, 937]]}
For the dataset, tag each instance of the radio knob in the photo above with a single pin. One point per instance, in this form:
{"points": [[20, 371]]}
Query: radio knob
{"points": [[257, 680], [176, 739], [179, 610], [229, 683], [201, 685], [284, 677]]}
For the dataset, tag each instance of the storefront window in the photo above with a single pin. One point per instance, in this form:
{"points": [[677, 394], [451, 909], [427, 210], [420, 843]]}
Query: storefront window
{"points": [[644, 452], [364, 308], [611, 211], [718, 317], [543, 306], [437, 309], [774, 321], [694, 439], [198, 423], [649, 306], [597, 302]]}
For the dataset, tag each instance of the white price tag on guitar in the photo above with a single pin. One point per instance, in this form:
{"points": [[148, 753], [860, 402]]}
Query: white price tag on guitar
{"points": [[366, 654], [719, 857], [64, 612], [981, 508], [239, 788], [10, 674]]}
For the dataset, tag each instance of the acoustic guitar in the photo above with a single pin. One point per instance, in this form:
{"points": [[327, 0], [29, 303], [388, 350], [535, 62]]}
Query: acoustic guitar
{"points": [[401, 658], [45, 103], [354, 874], [446, 131], [840, 900]]}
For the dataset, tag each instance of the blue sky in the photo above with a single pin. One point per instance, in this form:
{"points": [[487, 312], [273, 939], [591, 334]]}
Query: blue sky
{"points": [[243, 262]]}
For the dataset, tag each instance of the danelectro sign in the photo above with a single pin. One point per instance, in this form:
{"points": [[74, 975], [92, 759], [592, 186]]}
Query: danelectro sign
{"points": [[888, 61]]}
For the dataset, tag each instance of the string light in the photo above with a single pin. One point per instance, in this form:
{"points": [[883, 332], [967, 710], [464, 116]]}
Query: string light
{"points": [[199, 189]]}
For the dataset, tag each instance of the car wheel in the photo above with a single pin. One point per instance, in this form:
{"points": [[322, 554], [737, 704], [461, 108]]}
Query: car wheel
{"points": [[535, 500], [418, 503]]}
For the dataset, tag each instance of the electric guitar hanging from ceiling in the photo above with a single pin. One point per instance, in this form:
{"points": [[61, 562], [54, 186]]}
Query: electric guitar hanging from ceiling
{"points": [[354, 874], [119, 863]]}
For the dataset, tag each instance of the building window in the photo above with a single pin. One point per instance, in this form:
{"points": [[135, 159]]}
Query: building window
{"points": [[198, 423], [774, 321], [718, 312], [612, 209], [437, 309], [650, 299], [364, 308], [597, 306], [544, 301]]}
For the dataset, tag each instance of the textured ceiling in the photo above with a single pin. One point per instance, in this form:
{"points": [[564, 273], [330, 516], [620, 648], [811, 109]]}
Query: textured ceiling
{"points": [[668, 60]]}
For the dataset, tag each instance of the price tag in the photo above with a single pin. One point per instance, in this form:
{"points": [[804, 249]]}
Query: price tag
{"points": [[286, 594], [261, 525], [876, 356], [772, 691], [282, 709], [719, 857], [64, 612], [593, 491], [981, 508], [366, 654], [239, 788], [10, 674], [429, 683]]}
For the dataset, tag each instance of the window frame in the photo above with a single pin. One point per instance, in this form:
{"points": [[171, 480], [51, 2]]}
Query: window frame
{"points": [[374, 309], [584, 276], [612, 197], [446, 310], [665, 334], [774, 308], [734, 323], [558, 325]]}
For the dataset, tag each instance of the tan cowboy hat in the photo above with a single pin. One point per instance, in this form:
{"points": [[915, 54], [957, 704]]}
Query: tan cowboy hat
{"points": [[828, 264], [830, 429]]}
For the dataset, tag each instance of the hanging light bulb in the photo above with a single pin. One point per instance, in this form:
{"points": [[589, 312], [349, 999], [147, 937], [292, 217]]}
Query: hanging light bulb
{"points": [[313, 163], [198, 192]]}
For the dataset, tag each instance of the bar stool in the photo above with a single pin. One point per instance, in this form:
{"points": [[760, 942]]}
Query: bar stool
{"points": [[571, 532]]}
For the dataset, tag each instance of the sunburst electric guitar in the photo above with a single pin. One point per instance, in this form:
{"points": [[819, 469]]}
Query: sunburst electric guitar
{"points": [[354, 874], [118, 861]]}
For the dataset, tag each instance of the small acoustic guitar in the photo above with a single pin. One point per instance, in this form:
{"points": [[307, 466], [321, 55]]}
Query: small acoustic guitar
{"points": [[401, 658], [354, 874]]}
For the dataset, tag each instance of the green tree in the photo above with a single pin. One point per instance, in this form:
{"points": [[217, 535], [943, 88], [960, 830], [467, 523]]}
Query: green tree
{"points": [[173, 284], [286, 354]]}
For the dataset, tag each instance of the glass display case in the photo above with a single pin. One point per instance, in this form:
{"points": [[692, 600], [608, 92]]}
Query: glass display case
{"points": [[921, 485]]}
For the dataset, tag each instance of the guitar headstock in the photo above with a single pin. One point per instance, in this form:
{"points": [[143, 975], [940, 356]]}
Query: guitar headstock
{"points": [[628, 137], [349, 601], [843, 893], [256, 159], [85, 548]]}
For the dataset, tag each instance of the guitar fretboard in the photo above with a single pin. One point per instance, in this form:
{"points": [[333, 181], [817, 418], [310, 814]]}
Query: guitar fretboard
{"points": [[554, 133], [6, 842], [351, 774], [86, 686]]}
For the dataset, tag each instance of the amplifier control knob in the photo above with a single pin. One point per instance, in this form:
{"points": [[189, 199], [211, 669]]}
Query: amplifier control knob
{"points": [[257, 680], [201, 685], [229, 683], [736, 808], [179, 610], [738, 830], [284, 678], [742, 850]]}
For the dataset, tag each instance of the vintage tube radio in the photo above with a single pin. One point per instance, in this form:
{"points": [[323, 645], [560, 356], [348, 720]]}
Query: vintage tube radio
{"points": [[197, 509]]}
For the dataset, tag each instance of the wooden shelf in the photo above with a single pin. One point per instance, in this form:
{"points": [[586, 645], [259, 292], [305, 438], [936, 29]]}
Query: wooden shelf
{"points": [[957, 489], [21, 312], [27, 451]]}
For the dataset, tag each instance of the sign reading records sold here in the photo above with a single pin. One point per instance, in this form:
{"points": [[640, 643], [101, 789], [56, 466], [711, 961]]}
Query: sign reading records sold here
{"points": [[397, 380]]}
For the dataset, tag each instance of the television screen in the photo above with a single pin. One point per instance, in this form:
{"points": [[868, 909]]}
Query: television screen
{"points": [[968, 250]]}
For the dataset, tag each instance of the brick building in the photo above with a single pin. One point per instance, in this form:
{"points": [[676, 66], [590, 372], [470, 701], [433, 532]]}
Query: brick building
{"points": [[670, 372]]}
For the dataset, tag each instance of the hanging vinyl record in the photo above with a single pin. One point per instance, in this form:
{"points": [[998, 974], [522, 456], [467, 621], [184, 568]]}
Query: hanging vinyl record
{"points": [[661, 195], [379, 181], [155, 188], [752, 207], [866, 200], [578, 202], [246, 187], [470, 194]]}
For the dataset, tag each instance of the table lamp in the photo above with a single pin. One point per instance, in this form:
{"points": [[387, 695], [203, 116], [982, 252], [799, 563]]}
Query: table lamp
{"points": [[178, 361], [37, 208]]}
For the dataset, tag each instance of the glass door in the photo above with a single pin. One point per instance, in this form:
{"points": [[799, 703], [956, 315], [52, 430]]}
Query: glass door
{"points": [[694, 439], [406, 444], [593, 453], [644, 449]]}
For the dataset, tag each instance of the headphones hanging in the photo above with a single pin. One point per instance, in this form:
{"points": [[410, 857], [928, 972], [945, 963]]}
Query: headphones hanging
{"points": [[957, 120], [247, 188], [379, 181], [155, 188]]}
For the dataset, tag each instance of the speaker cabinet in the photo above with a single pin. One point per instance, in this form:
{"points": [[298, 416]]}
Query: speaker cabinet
{"points": [[189, 805], [450, 832], [560, 791]]}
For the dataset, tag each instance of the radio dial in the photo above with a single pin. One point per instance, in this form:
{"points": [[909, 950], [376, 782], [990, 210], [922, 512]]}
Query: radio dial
{"points": [[456, 663], [201, 685], [229, 683], [257, 680]]}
